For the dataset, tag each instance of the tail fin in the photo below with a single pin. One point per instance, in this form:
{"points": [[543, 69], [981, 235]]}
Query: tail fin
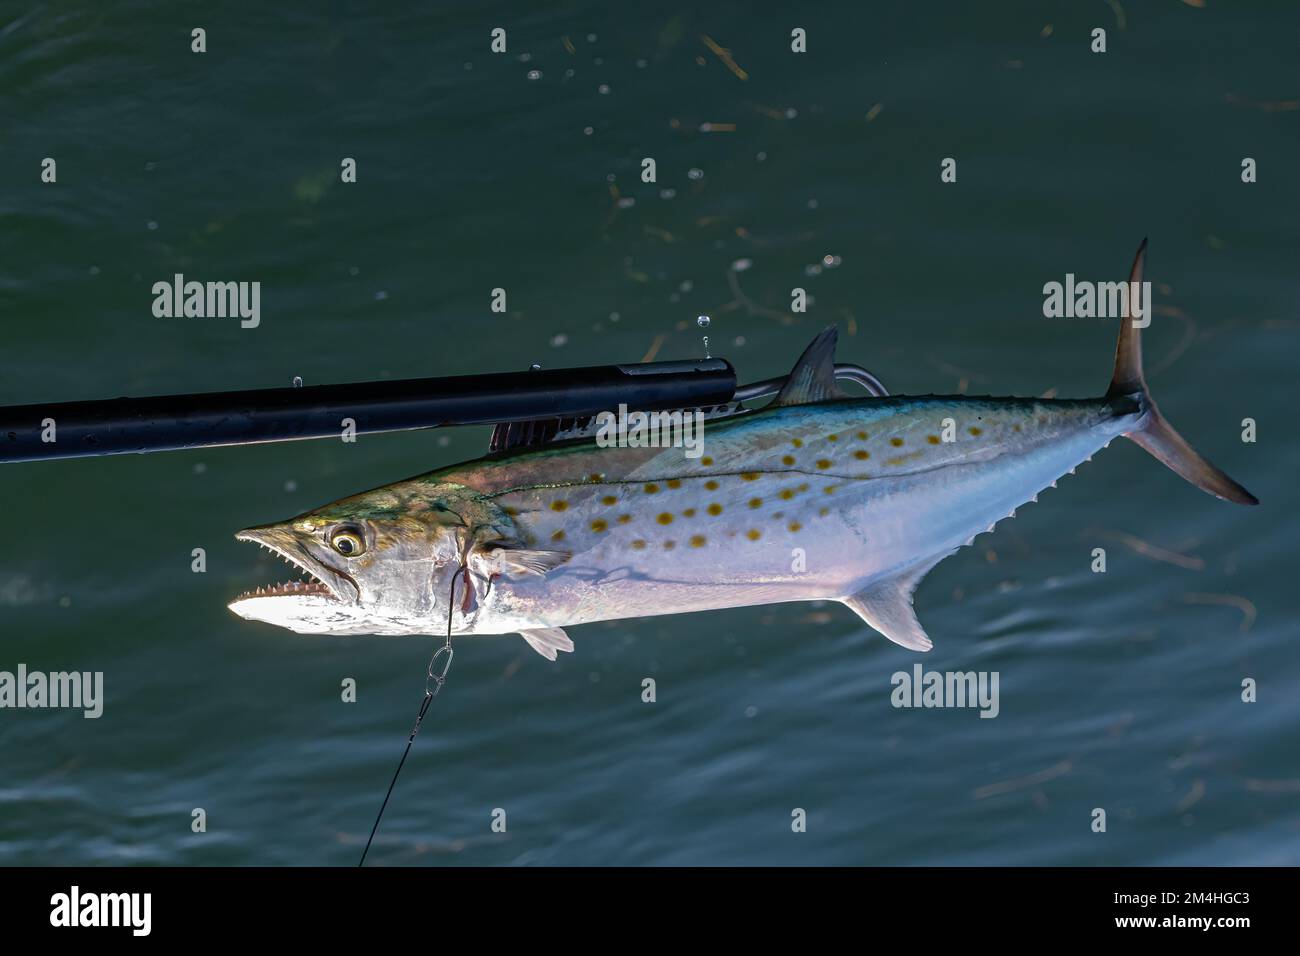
{"points": [[1154, 433]]}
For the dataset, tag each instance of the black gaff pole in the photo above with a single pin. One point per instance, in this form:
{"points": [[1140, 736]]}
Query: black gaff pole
{"points": [[165, 423]]}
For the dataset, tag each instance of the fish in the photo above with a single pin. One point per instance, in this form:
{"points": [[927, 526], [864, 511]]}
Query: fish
{"points": [[816, 497]]}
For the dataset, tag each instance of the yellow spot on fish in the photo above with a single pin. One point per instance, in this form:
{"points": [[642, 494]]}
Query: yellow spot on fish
{"points": [[832, 437], [598, 525], [558, 536], [688, 513], [753, 534], [932, 439], [1015, 427], [624, 519], [559, 505], [674, 483], [787, 494], [595, 477], [750, 476], [651, 489], [510, 513], [711, 485], [756, 502], [896, 442], [715, 509], [706, 460], [665, 518], [823, 463], [896, 461], [863, 436], [609, 500], [787, 460], [669, 545], [830, 489], [798, 443], [698, 541], [638, 545], [976, 430], [795, 526], [824, 512], [861, 455]]}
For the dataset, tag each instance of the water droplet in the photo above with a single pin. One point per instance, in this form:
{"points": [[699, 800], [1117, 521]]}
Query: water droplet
{"points": [[614, 317], [740, 265], [791, 113], [762, 157], [559, 340], [702, 321], [291, 485], [706, 346], [151, 225], [591, 38], [587, 131], [297, 381], [603, 89], [534, 74], [694, 173], [534, 367], [830, 262]]}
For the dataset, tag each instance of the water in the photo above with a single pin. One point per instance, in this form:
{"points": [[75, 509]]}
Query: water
{"points": [[1118, 690]]}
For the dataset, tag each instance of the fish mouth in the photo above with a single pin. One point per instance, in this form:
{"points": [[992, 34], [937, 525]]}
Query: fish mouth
{"points": [[318, 581]]}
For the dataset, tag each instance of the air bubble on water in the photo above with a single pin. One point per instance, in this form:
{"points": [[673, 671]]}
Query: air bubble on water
{"points": [[591, 38], [525, 57], [94, 270], [812, 203], [569, 73], [830, 262], [641, 64], [761, 157], [297, 381], [291, 485], [587, 131], [354, 271], [150, 167], [667, 193], [739, 341], [686, 285], [791, 113], [534, 74], [609, 177], [603, 89], [444, 441], [199, 468], [740, 265], [674, 298], [812, 270], [599, 61], [558, 340], [751, 711], [614, 317], [694, 173], [626, 202], [151, 225], [381, 295], [702, 321], [65, 601]]}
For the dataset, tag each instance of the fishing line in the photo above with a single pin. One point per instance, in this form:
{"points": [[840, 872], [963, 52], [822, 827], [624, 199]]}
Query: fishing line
{"points": [[432, 685]]}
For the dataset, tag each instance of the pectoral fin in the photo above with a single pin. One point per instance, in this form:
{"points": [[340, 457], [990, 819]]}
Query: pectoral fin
{"points": [[887, 606], [548, 641], [512, 562]]}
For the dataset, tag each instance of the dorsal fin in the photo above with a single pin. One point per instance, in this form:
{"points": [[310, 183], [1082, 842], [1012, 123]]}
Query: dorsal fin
{"points": [[813, 376]]}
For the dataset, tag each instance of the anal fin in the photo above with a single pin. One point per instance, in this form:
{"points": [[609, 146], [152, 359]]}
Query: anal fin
{"points": [[886, 605], [548, 641]]}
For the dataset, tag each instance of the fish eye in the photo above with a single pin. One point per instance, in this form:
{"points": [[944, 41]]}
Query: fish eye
{"points": [[347, 542]]}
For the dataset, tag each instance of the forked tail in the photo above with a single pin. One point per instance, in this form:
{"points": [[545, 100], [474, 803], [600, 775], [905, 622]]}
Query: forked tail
{"points": [[1153, 432]]}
